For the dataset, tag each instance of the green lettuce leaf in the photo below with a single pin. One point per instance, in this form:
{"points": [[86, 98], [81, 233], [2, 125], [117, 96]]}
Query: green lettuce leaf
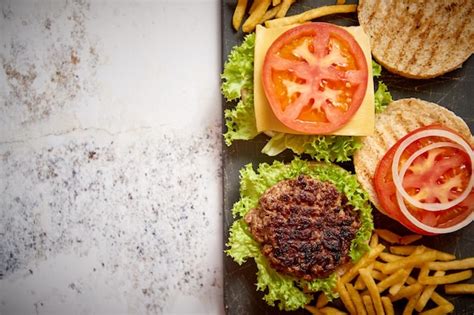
{"points": [[238, 69], [240, 121], [376, 69], [321, 148], [282, 290], [243, 245], [237, 83], [382, 97], [326, 286]]}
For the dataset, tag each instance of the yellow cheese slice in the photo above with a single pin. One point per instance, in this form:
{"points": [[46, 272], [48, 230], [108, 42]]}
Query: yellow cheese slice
{"points": [[361, 124]]}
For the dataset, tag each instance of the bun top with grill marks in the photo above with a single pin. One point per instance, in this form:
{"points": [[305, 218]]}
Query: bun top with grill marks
{"points": [[400, 118], [419, 38]]}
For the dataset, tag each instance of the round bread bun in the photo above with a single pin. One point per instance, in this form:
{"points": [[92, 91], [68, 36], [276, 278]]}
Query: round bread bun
{"points": [[400, 118], [419, 39]]}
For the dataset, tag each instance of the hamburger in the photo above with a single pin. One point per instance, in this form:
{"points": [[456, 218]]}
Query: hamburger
{"points": [[401, 119], [248, 113], [302, 223]]}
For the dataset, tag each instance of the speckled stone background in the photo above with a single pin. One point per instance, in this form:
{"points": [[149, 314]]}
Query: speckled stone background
{"points": [[110, 172]]}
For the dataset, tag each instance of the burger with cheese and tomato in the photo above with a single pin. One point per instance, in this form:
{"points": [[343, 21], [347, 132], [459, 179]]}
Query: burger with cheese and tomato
{"points": [[418, 167], [310, 87]]}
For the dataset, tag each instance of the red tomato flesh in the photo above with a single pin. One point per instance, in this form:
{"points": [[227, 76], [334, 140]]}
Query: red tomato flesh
{"points": [[315, 77], [439, 175]]}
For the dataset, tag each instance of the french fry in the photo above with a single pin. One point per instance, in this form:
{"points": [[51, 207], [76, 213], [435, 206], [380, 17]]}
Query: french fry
{"points": [[360, 284], [373, 290], [332, 311], [426, 294], [424, 272], [411, 261], [369, 306], [276, 2], [443, 256], [452, 278], [392, 273], [377, 275], [411, 280], [387, 305], [388, 236], [439, 300], [345, 298], [402, 250], [379, 265], [256, 16], [239, 13], [313, 310], [467, 263], [374, 240], [407, 292], [254, 6], [440, 310], [444, 306], [391, 280], [270, 14], [462, 288], [411, 305], [408, 250], [284, 7], [312, 14], [408, 239], [366, 260], [356, 299], [387, 257], [396, 288], [322, 300]]}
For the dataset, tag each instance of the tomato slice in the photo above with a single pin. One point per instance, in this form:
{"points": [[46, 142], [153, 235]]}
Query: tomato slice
{"points": [[439, 175], [315, 77]]}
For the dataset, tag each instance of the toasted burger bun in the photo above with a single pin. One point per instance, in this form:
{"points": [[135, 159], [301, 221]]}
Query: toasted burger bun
{"points": [[419, 39], [400, 118]]}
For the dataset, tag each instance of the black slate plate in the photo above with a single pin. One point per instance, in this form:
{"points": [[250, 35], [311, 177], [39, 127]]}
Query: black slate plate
{"points": [[455, 91]]}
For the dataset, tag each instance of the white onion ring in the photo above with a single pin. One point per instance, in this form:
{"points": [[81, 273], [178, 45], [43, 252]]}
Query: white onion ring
{"points": [[427, 228], [397, 178]]}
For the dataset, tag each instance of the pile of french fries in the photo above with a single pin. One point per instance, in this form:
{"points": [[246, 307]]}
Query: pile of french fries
{"points": [[387, 274], [273, 12]]}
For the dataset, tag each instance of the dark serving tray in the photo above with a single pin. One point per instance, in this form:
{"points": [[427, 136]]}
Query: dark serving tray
{"points": [[454, 90]]}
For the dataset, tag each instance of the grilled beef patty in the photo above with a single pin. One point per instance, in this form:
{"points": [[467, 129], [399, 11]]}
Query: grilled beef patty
{"points": [[305, 227]]}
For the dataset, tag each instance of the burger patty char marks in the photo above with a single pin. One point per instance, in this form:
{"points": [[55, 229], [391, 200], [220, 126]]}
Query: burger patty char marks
{"points": [[305, 227]]}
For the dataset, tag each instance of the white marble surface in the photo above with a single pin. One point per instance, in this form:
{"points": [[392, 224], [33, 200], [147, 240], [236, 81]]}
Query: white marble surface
{"points": [[110, 141]]}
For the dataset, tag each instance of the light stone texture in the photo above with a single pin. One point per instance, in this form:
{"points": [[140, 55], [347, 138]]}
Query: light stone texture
{"points": [[110, 157]]}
